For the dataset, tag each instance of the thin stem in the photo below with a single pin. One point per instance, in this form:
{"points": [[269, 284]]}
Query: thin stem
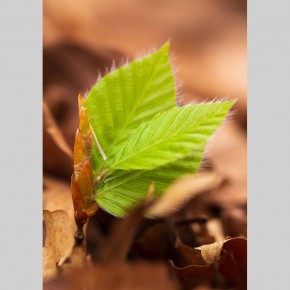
{"points": [[79, 235]]}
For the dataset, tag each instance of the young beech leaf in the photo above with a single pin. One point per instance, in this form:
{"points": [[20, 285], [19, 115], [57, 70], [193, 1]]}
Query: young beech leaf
{"points": [[169, 136], [162, 150], [124, 189], [127, 97], [139, 135]]}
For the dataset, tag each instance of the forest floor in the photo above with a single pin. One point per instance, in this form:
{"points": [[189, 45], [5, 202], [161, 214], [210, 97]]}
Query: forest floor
{"points": [[202, 245]]}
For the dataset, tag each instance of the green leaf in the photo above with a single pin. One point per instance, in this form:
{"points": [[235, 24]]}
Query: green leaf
{"points": [[175, 139], [127, 97], [141, 133], [169, 136], [125, 189]]}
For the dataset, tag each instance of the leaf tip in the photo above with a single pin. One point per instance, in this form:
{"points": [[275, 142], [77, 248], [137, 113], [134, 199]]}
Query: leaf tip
{"points": [[164, 49]]}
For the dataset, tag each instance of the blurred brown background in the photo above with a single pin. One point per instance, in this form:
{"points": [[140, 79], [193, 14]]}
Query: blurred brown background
{"points": [[82, 38]]}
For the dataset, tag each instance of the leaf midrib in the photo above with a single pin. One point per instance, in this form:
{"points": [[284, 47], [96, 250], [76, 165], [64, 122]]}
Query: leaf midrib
{"points": [[156, 144]]}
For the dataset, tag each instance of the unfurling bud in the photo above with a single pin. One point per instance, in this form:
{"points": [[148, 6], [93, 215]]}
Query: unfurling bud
{"points": [[82, 184]]}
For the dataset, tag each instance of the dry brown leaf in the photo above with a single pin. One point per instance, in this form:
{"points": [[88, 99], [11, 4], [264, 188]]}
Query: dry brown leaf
{"points": [[211, 252], [59, 235], [55, 132], [220, 262], [50, 255], [182, 190], [233, 262], [230, 259], [57, 196], [189, 266], [49, 259]]}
